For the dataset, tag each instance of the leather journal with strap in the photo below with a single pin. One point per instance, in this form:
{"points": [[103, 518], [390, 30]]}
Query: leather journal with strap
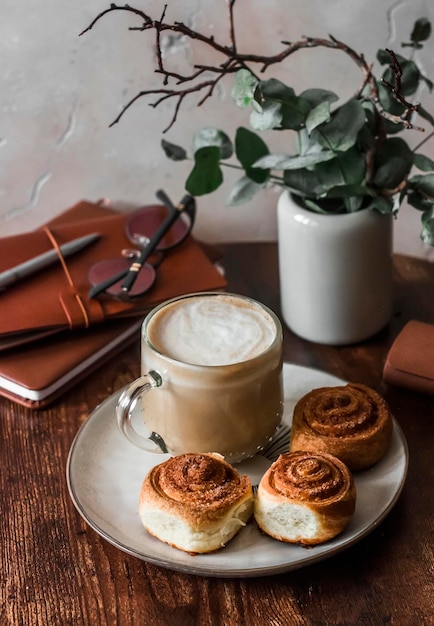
{"points": [[57, 299], [51, 333]]}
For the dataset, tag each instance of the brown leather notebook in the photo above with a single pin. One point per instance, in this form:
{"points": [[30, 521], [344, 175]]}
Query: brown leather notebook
{"points": [[40, 355], [410, 361], [37, 374], [46, 302]]}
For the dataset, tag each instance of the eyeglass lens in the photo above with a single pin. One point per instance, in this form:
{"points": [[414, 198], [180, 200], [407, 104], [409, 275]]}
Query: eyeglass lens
{"points": [[144, 223], [103, 270], [139, 229]]}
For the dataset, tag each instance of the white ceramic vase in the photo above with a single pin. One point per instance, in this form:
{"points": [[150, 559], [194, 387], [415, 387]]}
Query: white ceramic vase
{"points": [[335, 272]]}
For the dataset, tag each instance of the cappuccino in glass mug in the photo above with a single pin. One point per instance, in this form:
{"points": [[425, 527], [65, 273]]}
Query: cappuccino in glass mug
{"points": [[211, 377]]}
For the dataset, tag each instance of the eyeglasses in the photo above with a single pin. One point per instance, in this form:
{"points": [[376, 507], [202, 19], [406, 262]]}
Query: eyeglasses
{"points": [[154, 230]]}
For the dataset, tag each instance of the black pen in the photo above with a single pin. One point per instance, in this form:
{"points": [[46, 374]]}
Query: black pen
{"points": [[23, 270]]}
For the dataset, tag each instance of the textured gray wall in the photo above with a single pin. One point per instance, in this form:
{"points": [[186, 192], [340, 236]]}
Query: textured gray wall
{"points": [[59, 92]]}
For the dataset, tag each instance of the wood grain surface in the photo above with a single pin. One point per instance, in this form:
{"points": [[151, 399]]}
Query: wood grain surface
{"points": [[55, 570]]}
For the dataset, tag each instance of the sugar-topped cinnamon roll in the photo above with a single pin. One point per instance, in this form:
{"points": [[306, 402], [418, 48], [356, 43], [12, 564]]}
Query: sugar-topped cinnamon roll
{"points": [[195, 502], [352, 422], [305, 498]]}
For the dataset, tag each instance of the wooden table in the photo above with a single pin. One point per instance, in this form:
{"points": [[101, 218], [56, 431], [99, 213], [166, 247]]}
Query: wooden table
{"points": [[57, 571]]}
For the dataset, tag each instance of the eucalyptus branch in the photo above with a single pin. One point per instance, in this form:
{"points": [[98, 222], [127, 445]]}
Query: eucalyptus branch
{"points": [[347, 157], [235, 60]]}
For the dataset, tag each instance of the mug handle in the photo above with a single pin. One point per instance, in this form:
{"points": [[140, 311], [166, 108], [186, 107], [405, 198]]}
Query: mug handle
{"points": [[153, 442]]}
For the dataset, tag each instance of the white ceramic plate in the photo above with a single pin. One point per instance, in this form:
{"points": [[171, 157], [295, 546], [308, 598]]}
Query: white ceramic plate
{"points": [[105, 472]]}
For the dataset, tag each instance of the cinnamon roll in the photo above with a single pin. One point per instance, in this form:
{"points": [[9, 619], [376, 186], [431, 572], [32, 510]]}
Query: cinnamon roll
{"points": [[352, 422], [305, 498], [195, 502]]}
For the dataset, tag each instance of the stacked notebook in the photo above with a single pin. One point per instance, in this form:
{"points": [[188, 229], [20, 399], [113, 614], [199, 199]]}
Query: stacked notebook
{"points": [[49, 338]]}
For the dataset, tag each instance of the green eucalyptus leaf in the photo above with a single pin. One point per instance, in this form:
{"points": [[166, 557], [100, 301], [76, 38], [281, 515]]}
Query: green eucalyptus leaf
{"points": [[249, 147], [213, 137], [367, 137], [397, 200], [273, 89], [316, 207], [422, 162], [353, 203], [347, 191], [427, 234], [319, 100], [421, 30], [303, 182], [294, 113], [327, 206], [347, 168], [243, 90], [206, 175], [307, 144], [393, 162], [287, 162], [390, 173], [418, 200], [243, 191], [317, 116], [385, 58], [424, 184], [341, 132], [387, 100], [318, 96], [174, 152], [382, 204], [267, 118], [290, 111]]}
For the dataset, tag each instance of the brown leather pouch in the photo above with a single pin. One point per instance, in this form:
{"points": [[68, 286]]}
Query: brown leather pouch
{"points": [[410, 361]]}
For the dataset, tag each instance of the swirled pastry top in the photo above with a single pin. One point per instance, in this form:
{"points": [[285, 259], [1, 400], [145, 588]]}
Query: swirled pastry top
{"points": [[306, 477], [305, 498], [198, 488], [352, 422]]}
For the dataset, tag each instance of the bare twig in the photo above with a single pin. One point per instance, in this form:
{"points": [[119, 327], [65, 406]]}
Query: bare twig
{"points": [[409, 108], [233, 60], [231, 4]]}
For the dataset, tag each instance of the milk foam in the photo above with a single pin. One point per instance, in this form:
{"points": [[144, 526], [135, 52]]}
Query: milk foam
{"points": [[212, 330]]}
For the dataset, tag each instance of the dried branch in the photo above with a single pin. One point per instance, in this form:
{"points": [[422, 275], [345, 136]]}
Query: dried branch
{"points": [[231, 4], [235, 60], [409, 108]]}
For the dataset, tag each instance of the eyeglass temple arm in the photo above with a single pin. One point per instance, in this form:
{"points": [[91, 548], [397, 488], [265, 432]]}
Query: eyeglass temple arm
{"points": [[187, 203], [174, 213]]}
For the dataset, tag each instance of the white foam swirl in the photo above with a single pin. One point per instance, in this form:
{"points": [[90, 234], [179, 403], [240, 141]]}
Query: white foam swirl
{"points": [[212, 330]]}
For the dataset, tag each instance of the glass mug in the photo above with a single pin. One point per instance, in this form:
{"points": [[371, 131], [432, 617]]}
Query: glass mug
{"points": [[211, 378]]}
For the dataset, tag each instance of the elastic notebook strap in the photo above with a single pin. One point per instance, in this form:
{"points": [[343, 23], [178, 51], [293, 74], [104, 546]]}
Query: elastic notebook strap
{"points": [[75, 294]]}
